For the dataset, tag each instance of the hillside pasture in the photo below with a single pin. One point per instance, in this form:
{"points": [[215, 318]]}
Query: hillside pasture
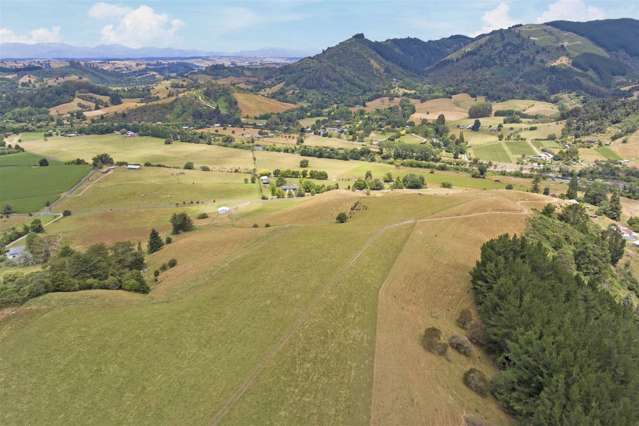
{"points": [[520, 148], [528, 106], [76, 104], [283, 325], [491, 152], [628, 150], [254, 105], [431, 109]]}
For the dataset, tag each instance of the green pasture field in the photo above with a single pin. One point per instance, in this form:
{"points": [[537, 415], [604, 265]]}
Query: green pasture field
{"points": [[493, 152], [218, 334], [608, 153], [520, 148], [27, 188], [547, 144], [140, 149]]}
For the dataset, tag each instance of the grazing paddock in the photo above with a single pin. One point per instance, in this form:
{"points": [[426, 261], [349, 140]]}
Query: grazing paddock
{"points": [[590, 155], [280, 325], [141, 149], [528, 106], [493, 152], [552, 145], [430, 110], [608, 153], [253, 105], [628, 150], [28, 188], [520, 148]]}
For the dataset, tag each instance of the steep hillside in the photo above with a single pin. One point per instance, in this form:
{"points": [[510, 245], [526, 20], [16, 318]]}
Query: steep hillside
{"points": [[358, 68], [534, 61]]}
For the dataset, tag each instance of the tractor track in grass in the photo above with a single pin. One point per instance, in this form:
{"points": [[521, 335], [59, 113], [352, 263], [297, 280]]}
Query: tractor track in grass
{"points": [[271, 355]]}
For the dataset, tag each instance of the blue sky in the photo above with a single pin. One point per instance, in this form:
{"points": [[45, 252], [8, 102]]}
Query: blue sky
{"points": [[305, 25]]}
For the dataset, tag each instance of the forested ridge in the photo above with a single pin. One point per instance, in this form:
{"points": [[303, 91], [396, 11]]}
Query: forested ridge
{"points": [[566, 349]]}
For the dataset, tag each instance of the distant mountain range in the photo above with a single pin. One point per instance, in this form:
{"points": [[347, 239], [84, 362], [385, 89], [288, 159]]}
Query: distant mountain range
{"points": [[116, 51], [535, 60]]}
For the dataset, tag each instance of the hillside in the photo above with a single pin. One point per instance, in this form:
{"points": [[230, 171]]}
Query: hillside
{"points": [[535, 61], [358, 67], [524, 61]]}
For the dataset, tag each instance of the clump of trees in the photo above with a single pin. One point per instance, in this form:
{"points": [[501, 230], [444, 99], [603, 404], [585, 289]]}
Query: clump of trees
{"points": [[181, 222], [118, 267], [566, 348], [480, 110]]}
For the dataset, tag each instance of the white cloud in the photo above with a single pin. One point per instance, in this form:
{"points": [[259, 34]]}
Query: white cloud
{"points": [[137, 27], [238, 18], [497, 18], [39, 35], [571, 10], [102, 10]]}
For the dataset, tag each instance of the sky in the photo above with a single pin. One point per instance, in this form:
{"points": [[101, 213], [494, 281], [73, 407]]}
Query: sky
{"points": [[302, 25]]}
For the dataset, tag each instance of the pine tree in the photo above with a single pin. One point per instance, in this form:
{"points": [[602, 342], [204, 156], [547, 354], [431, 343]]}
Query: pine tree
{"points": [[573, 187], [614, 207], [155, 241]]}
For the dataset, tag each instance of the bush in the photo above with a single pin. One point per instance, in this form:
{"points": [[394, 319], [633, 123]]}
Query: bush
{"points": [[168, 239], [203, 216], [181, 222], [461, 344], [432, 341], [447, 185], [255, 225], [465, 318], [205, 168], [509, 186], [413, 181], [172, 263], [477, 382], [66, 213], [342, 217], [189, 165], [43, 162], [476, 333]]}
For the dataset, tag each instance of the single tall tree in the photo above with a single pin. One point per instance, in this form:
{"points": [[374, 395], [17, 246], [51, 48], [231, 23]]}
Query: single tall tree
{"points": [[573, 187], [155, 241], [614, 206]]}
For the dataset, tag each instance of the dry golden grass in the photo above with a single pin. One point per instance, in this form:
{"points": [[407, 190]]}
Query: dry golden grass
{"points": [[430, 110], [76, 104], [628, 150], [427, 287], [465, 101], [253, 105], [528, 106], [124, 106]]}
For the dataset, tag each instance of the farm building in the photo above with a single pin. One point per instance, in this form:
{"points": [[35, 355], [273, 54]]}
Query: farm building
{"points": [[133, 166], [223, 210], [131, 134], [17, 255], [264, 179]]}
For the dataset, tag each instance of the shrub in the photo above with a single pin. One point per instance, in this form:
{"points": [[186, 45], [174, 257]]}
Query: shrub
{"points": [[342, 217], [477, 382], [509, 186], [267, 225], [461, 344], [304, 163], [168, 239], [447, 185], [43, 162], [172, 263], [205, 168], [255, 225], [189, 165], [476, 333], [413, 181], [66, 213], [432, 341], [203, 216], [465, 318]]}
